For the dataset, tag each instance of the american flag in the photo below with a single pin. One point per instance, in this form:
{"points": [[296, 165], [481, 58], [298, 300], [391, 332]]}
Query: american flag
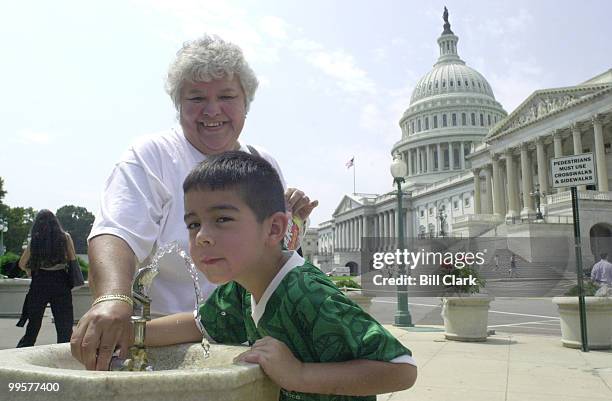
{"points": [[350, 163]]}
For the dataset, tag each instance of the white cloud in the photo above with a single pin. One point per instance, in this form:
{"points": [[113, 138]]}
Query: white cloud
{"points": [[341, 66]]}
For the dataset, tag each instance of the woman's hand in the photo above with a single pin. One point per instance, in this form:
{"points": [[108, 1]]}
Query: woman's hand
{"points": [[298, 203], [100, 331]]}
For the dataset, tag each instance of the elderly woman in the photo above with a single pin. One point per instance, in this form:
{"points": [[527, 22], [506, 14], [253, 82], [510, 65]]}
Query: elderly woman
{"points": [[211, 86]]}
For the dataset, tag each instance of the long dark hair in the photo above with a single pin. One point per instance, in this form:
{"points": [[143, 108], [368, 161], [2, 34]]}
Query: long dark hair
{"points": [[48, 244]]}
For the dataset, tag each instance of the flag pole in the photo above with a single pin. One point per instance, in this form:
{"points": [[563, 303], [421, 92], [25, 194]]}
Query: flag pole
{"points": [[354, 168]]}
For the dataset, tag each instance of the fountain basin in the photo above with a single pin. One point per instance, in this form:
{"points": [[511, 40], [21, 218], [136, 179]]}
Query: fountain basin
{"points": [[181, 373]]}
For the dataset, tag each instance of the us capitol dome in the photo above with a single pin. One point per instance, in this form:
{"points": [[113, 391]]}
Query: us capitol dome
{"points": [[452, 107]]}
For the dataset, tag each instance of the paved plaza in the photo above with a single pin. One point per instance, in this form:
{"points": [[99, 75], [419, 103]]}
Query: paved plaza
{"points": [[508, 367]]}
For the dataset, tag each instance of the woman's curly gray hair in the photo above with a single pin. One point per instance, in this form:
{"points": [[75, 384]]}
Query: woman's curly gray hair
{"points": [[208, 58]]}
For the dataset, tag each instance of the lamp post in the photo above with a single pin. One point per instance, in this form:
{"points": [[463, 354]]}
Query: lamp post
{"points": [[442, 218], [3, 229], [402, 315]]}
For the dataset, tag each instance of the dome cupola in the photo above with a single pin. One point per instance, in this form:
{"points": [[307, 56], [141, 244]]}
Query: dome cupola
{"points": [[451, 109]]}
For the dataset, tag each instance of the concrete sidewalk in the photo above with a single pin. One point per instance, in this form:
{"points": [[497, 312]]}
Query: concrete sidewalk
{"points": [[508, 367]]}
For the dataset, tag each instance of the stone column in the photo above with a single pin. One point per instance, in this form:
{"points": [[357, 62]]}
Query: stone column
{"points": [[576, 136], [440, 157], [409, 162], [335, 238], [451, 156], [542, 167], [365, 230], [392, 228], [430, 159], [352, 234], [359, 231], [489, 189], [462, 156], [477, 206], [511, 186], [527, 181], [600, 154], [558, 147], [497, 186], [385, 225]]}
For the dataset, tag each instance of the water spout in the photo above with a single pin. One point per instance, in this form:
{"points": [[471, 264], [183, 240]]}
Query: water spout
{"points": [[142, 308]]}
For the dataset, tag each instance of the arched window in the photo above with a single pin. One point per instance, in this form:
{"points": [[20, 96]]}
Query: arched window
{"points": [[463, 119], [481, 120], [435, 122], [489, 119], [444, 122], [454, 119], [473, 118], [419, 125], [458, 82]]}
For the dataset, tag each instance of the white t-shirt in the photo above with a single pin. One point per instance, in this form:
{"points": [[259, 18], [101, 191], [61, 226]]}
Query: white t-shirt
{"points": [[142, 203]]}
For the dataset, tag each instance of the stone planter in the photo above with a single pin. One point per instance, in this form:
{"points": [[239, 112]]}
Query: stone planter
{"points": [[465, 318], [81, 301], [13, 292], [599, 321], [12, 295]]}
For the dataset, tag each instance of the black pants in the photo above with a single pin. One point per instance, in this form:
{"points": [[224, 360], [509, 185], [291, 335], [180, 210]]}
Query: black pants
{"points": [[49, 287]]}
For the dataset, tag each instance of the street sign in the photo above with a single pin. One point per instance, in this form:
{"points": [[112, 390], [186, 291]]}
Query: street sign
{"points": [[571, 171]]}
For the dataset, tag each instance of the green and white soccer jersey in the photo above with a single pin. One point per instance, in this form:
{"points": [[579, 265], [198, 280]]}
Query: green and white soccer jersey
{"points": [[302, 308]]}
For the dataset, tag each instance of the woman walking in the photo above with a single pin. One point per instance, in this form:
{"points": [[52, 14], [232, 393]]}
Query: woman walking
{"points": [[45, 259]]}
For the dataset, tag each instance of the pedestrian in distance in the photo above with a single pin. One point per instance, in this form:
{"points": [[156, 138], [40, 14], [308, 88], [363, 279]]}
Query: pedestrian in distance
{"points": [[45, 260], [512, 271], [602, 271]]}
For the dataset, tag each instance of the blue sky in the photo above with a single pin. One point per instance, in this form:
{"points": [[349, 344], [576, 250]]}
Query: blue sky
{"points": [[82, 80]]}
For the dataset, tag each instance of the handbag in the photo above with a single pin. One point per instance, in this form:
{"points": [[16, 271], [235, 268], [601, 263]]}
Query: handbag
{"points": [[75, 275]]}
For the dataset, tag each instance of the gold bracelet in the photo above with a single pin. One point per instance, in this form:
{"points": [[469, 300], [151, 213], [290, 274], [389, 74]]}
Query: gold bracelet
{"points": [[114, 297]]}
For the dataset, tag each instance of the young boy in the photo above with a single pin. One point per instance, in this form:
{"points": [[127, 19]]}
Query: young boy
{"points": [[304, 333]]}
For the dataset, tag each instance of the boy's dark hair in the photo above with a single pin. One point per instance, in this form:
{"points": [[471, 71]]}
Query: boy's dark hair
{"points": [[253, 178]]}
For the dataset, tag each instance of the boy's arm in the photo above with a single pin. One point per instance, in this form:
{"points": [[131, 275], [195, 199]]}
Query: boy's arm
{"points": [[357, 377], [172, 329]]}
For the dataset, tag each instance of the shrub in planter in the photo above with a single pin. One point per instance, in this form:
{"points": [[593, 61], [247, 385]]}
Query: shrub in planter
{"points": [[465, 315], [598, 305]]}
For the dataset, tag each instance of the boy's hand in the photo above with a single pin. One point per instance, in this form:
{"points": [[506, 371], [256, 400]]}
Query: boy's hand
{"points": [[276, 360]]}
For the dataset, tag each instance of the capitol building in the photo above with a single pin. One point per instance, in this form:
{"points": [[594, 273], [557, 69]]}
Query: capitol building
{"points": [[474, 170]]}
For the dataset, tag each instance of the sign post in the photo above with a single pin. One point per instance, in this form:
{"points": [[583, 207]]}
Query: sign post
{"points": [[571, 171]]}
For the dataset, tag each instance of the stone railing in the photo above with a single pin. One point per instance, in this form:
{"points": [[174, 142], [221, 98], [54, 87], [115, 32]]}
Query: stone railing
{"points": [[566, 196], [558, 219], [442, 183], [478, 218]]}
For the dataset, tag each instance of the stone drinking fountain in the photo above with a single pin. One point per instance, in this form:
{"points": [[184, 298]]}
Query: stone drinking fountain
{"points": [[179, 372]]}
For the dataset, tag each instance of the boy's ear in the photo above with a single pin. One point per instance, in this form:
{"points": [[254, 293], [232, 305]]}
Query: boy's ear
{"points": [[277, 224]]}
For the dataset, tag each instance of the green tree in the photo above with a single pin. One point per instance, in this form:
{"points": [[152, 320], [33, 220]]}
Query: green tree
{"points": [[3, 207], [77, 221], [20, 221]]}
